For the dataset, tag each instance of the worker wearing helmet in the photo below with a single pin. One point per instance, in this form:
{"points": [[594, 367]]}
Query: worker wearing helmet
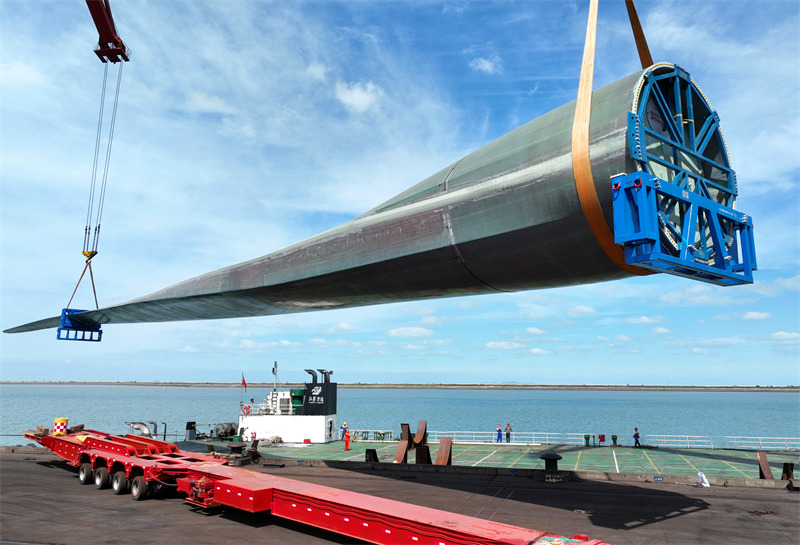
{"points": [[344, 429]]}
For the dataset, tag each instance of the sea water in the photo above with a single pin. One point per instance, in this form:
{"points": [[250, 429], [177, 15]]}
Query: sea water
{"points": [[108, 407]]}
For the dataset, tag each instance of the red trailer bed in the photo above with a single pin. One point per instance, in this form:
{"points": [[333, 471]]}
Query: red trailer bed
{"points": [[144, 464]]}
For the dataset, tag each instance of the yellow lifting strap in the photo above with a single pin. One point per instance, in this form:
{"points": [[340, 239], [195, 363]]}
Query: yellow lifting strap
{"points": [[638, 35], [581, 164]]}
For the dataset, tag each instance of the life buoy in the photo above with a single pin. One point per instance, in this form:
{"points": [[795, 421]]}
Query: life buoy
{"points": [[246, 409]]}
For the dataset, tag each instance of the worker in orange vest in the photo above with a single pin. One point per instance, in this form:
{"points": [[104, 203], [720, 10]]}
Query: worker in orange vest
{"points": [[347, 440]]}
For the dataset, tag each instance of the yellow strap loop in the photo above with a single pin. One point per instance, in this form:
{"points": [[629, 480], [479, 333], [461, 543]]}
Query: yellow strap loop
{"points": [[581, 164]]}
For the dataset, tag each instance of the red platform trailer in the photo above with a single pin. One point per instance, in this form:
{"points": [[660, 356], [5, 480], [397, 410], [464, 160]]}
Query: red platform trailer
{"points": [[142, 465]]}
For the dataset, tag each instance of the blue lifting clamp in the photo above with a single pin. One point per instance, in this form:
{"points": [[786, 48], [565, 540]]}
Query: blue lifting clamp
{"points": [[712, 242], [72, 329]]}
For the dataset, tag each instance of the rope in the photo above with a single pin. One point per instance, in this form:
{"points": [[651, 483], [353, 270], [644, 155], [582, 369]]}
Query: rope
{"points": [[90, 207], [638, 34], [108, 160], [90, 250], [91, 276], [581, 164]]}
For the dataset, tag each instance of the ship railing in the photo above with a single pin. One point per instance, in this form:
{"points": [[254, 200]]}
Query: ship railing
{"points": [[529, 438], [679, 441], [760, 443], [724, 442], [372, 435]]}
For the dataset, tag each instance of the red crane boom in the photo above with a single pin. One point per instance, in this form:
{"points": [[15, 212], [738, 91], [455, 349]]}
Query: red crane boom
{"points": [[110, 46]]}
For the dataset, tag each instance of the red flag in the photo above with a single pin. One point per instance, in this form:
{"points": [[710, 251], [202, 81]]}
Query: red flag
{"points": [[244, 383]]}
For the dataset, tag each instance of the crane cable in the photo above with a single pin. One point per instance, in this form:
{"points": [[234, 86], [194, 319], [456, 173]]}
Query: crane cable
{"points": [[581, 164], [90, 241]]}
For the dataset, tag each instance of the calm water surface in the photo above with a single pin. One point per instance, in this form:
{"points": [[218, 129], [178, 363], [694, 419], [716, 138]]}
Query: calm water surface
{"points": [[107, 408]]}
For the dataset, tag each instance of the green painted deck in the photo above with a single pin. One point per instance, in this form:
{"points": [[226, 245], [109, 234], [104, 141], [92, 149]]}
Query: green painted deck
{"points": [[662, 461]]}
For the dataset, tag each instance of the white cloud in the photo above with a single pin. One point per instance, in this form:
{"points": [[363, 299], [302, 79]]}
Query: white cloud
{"points": [[539, 351], [702, 295], [753, 315], [623, 338], [25, 76], [438, 342], [504, 345], [410, 332], [203, 103], [579, 311], [535, 331], [431, 321], [645, 320], [249, 344], [342, 326], [776, 286], [358, 97], [488, 65], [660, 330], [786, 336], [458, 9], [317, 70], [344, 342]]}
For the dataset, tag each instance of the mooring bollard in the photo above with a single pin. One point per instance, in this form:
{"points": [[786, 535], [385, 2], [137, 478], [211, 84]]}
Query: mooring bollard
{"points": [[550, 460]]}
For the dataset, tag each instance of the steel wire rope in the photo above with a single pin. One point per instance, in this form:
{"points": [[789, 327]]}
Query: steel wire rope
{"points": [[88, 252], [102, 198], [93, 184]]}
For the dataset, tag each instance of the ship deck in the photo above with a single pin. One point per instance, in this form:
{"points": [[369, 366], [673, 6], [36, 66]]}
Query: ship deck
{"points": [[656, 462]]}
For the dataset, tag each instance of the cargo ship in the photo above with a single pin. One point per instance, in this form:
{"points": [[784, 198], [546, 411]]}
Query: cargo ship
{"points": [[295, 415]]}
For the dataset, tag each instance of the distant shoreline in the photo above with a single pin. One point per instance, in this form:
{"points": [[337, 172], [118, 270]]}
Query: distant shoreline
{"points": [[373, 386]]}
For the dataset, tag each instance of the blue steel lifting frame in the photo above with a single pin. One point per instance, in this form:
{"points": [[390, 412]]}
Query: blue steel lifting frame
{"points": [[637, 226], [686, 226], [72, 329]]}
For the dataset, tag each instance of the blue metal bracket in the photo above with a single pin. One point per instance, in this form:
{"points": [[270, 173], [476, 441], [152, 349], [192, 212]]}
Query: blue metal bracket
{"points": [[72, 329], [715, 243]]}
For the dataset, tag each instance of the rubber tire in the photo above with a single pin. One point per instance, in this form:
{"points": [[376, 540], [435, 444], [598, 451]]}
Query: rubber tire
{"points": [[101, 479], [138, 488], [119, 483], [85, 474]]}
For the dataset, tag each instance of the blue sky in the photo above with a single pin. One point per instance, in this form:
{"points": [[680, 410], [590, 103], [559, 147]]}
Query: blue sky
{"points": [[246, 126]]}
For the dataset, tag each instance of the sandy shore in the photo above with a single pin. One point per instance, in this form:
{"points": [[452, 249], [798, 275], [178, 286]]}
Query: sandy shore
{"points": [[583, 387]]}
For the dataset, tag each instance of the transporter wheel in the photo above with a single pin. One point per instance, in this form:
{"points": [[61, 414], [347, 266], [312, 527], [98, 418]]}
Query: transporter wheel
{"points": [[119, 483], [101, 479], [138, 488], [85, 473]]}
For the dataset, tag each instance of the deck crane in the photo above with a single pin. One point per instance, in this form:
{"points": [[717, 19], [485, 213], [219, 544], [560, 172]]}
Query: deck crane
{"points": [[110, 49]]}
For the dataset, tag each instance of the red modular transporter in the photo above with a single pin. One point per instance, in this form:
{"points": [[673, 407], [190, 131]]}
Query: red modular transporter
{"points": [[143, 464]]}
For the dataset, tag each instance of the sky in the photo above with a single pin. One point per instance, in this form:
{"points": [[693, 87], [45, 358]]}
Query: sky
{"points": [[247, 126]]}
